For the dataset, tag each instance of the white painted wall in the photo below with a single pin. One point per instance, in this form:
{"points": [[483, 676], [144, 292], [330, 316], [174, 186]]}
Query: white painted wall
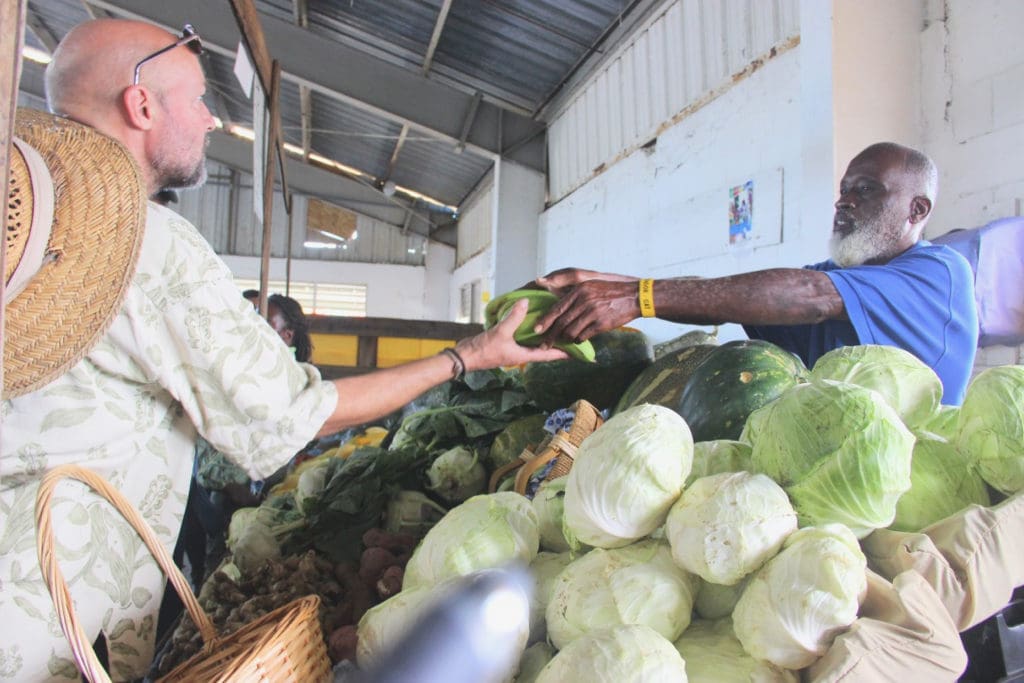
{"points": [[663, 211], [973, 109], [972, 97], [520, 193], [409, 292]]}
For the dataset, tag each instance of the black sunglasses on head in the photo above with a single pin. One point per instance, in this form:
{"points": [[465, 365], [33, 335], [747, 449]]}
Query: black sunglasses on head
{"points": [[189, 37]]}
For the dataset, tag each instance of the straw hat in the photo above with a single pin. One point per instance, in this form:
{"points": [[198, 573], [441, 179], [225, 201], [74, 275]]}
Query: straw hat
{"points": [[80, 197]]}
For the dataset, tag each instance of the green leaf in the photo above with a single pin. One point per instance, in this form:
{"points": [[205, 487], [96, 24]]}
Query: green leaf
{"points": [[66, 418]]}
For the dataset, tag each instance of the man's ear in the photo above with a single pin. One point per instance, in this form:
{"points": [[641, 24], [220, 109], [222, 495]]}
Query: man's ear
{"points": [[137, 103], [920, 207]]}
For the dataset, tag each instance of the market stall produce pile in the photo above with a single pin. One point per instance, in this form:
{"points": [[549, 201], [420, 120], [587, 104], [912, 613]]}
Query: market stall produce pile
{"points": [[657, 557]]}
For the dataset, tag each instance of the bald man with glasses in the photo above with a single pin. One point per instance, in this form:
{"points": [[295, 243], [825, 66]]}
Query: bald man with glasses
{"points": [[184, 356]]}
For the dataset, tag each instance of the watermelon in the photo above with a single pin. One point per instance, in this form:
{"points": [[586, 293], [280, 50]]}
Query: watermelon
{"points": [[620, 356], [734, 380], [663, 381]]}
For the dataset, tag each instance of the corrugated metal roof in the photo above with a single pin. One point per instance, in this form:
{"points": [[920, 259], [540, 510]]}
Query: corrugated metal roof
{"points": [[515, 53]]}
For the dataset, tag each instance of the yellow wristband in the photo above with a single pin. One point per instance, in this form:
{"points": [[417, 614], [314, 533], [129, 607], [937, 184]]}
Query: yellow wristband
{"points": [[647, 298]]}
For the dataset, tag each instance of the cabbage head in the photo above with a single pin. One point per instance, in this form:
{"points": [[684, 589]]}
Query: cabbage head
{"points": [[637, 584], [626, 476], [535, 658], [944, 423], [720, 455], [942, 482], [385, 624], [795, 606], [619, 654], [549, 504], [992, 426], [713, 654], [544, 569], [727, 525], [841, 453], [485, 532], [457, 475], [715, 601], [908, 385]]}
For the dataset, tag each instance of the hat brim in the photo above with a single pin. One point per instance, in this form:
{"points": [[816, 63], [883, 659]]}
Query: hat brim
{"points": [[99, 219]]}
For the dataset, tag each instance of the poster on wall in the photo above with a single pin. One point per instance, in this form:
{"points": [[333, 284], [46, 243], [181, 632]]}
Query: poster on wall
{"points": [[741, 211]]}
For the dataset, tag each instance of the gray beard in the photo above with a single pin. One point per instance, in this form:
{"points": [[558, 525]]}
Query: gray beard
{"points": [[871, 240], [182, 179]]}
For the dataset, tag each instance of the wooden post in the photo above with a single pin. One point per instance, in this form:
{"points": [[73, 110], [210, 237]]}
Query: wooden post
{"points": [[12, 18], [268, 182]]}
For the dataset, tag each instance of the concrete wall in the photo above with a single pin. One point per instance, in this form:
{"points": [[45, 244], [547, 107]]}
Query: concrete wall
{"points": [[972, 97], [520, 193], [663, 210]]}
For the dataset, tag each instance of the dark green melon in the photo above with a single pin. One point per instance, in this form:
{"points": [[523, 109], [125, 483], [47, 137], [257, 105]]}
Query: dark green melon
{"points": [[663, 381], [620, 355], [734, 380]]}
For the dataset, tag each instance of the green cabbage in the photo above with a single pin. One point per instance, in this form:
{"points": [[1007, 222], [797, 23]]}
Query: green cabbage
{"points": [[725, 526], [545, 568], [907, 384], [942, 482], [637, 584], [992, 426], [841, 453], [943, 423], [385, 624], [457, 475], [713, 654], [535, 658], [715, 601], [619, 654], [794, 607], [626, 476], [549, 504], [484, 532], [720, 455]]}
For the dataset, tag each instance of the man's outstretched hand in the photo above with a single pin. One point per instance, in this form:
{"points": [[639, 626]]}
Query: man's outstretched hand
{"points": [[590, 303]]}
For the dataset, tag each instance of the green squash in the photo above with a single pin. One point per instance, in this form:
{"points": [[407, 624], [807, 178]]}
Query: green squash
{"points": [[620, 355], [663, 381], [734, 380]]}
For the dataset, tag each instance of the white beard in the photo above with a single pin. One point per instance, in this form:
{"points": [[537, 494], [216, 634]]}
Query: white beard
{"points": [[872, 240]]}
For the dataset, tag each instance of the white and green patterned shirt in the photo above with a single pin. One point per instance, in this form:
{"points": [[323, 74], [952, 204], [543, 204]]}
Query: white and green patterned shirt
{"points": [[186, 352]]}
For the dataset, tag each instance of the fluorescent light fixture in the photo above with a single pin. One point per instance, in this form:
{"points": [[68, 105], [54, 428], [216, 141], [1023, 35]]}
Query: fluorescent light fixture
{"points": [[331, 235], [411, 251], [218, 123], [242, 132], [36, 55], [319, 245], [294, 149]]}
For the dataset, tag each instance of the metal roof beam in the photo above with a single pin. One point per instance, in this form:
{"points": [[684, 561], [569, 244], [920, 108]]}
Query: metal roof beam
{"points": [[435, 37], [367, 82], [41, 31]]}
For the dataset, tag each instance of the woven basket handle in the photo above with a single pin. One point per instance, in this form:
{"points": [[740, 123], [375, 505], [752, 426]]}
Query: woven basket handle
{"points": [[81, 645]]}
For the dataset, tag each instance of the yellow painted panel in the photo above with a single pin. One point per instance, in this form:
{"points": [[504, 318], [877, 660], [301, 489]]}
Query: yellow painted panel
{"points": [[335, 349], [397, 350]]}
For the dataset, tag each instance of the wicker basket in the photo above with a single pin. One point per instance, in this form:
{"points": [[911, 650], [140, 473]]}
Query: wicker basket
{"points": [[560, 447], [285, 645]]}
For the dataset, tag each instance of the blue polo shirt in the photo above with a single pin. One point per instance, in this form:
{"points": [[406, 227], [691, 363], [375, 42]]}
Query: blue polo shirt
{"points": [[921, 301]]}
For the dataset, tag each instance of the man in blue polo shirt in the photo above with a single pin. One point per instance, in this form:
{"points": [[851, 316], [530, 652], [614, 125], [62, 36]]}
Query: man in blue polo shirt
{"points": [[883, 284]]}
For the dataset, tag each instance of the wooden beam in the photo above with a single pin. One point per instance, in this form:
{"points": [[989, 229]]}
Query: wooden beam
{"points": [[392, 327], [252, 35], [12, 16], [393, 161], [273, 99]]}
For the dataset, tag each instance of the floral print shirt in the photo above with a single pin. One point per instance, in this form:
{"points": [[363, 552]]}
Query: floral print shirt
{"points": [[185, 353]]}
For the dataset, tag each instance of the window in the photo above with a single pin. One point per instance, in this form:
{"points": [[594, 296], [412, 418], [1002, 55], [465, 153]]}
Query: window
{"points": [[318, 297]]}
